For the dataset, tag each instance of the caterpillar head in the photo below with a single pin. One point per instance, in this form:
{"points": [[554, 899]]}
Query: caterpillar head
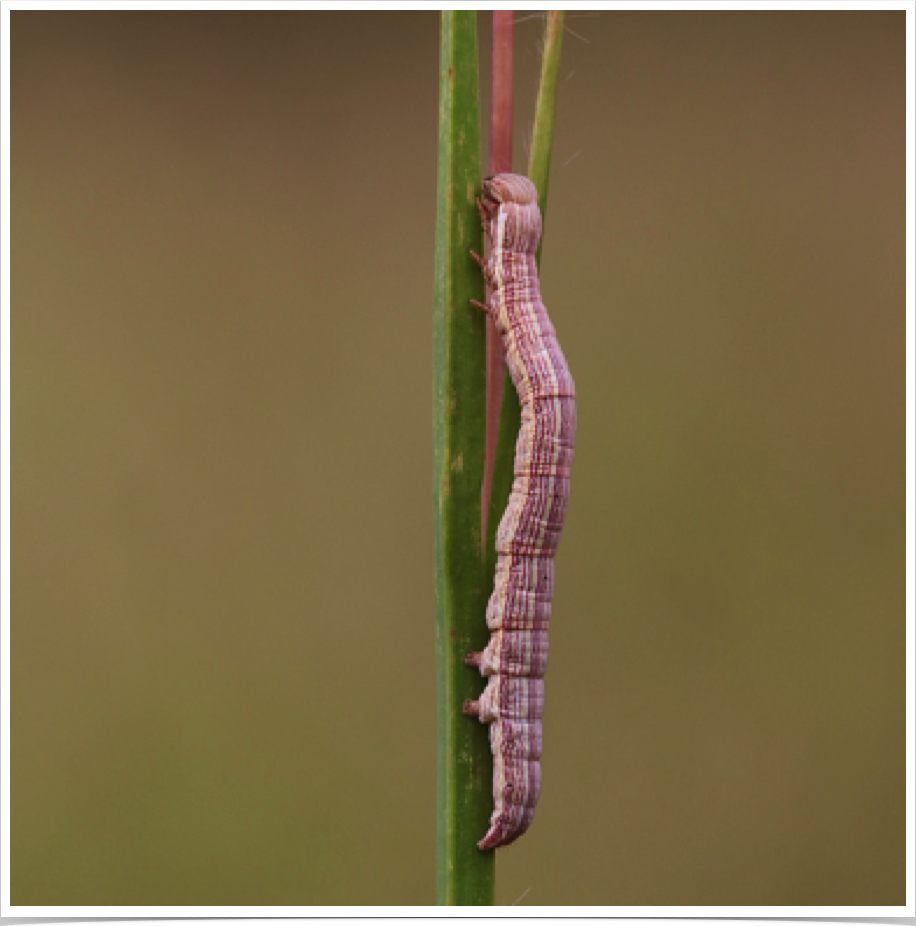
{"points": [[509, 205], [510, 188]]}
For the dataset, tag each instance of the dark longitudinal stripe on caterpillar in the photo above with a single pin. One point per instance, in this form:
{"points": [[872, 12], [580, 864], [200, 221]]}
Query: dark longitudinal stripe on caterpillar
{"points": [[518, 614]]}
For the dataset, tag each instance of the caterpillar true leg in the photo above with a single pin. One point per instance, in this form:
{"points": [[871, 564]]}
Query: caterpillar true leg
{"points": [[485, 212], [484, 268]]}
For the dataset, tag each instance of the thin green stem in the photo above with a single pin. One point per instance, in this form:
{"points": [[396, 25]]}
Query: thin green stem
{"points": [[545, 113]]}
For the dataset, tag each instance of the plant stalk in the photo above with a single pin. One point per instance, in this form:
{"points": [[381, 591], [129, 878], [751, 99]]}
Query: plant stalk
{"points": [[500, 162], [510, 416], [465, 875]]}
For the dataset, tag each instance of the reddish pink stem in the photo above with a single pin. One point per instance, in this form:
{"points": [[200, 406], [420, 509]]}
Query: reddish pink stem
{"points": [[501, 104], [500, 162]]}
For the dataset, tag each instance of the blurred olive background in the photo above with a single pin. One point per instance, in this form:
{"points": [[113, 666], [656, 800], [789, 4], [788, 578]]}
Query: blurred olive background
{"points": [[223, 610]]}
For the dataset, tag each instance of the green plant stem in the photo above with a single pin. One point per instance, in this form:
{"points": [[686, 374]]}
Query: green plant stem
{"points": [[545, 113], [465, 875]]}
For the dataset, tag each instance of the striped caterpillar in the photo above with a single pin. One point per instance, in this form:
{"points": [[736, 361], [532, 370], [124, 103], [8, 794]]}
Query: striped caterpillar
{"points": [[518, 614]]}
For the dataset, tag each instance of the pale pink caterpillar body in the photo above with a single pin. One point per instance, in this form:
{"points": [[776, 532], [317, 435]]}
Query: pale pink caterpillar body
{"points": [[518, 614]]}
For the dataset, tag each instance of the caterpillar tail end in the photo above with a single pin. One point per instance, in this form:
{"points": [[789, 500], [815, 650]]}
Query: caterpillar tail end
{"points": [[497, 837]]}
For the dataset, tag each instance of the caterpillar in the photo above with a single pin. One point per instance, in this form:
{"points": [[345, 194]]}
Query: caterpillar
{"points": [[518, 613]]}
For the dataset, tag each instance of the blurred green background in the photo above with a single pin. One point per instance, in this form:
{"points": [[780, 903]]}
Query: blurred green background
{"points": [[223, 631]]}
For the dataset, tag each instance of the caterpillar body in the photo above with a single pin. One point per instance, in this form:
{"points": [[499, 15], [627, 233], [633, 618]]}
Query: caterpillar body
{"points": [[518, 614]]}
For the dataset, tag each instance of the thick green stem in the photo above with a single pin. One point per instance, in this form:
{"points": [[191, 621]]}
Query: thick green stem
{"points": [[466, 876]]}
